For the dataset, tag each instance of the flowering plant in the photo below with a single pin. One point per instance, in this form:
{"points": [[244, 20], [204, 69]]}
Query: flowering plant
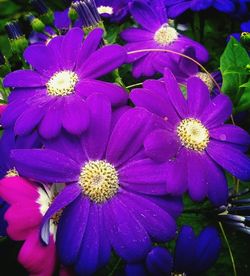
{"points": [[124, 144]]}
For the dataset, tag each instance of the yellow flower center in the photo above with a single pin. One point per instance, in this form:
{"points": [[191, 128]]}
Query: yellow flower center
{"points": [[166, 35], [193, 134], [62, 83], [206, 79], [11, 173], [105, 9], [99, 180]]}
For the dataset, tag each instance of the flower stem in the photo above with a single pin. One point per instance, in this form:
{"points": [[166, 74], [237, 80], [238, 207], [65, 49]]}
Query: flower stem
{"points": [[115, 267], [229, 248], [134, 85]]}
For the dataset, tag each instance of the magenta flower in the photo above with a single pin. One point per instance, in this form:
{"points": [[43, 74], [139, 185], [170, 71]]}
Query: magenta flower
{"points": [[155, 33], [195, 139], [28, 202], [114, 194], [51, 96]]}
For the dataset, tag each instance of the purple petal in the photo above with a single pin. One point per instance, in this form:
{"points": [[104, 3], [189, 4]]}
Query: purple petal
{"points": [[230, 158], [103, 61], [24, 78], [177, 174], [201, 52], [135, 269], [135, 34], [90, 44], [145, 16], [127, 236], [186, 65], [172, 205], [154, 103], [217, 112], [61, 19], [159, 261], [198, 96], [42, 59], [96, 137], [184, 249], [64, 198], [69, 145], [51, 123], [29, 120], [144, 176], [75, 118], [230, 134], [207, 249], [161, 145], [91, 250], [45, 165], [55, 44], [128, 135], [157, 222], [72, 226], [217, 183], [179, 8], [70, 48], [115, 93], [197, 182], [175, 94], [12, 112]]}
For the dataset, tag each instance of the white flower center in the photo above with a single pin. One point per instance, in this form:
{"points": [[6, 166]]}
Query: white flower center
{"points": [[206, 79], [105, 9], [166, 35], [62, 83], [45, 199], [193, 134], [99, 180]]}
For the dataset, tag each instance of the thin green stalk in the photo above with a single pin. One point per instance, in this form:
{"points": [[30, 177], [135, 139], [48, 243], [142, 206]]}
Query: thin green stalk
{"points": [[134, 85], [229, 248], [115, 267]]}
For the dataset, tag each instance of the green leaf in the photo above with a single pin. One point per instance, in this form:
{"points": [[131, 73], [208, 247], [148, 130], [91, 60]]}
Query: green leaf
{"points": [[233, 66]]}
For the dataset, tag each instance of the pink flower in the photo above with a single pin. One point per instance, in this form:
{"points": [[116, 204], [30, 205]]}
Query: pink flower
{"points": [[28, 203]]}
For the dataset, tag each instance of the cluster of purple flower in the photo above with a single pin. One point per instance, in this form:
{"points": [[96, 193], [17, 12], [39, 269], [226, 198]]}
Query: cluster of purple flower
{"points": [[89, 169]]}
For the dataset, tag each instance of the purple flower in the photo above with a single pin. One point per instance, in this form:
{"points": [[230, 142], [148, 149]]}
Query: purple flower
{"points": [[155, 33], [185, 68], [113, 198], [176, 8], [62, 24], [115, 10], [51, 96], [195, 139], [193, 255]]}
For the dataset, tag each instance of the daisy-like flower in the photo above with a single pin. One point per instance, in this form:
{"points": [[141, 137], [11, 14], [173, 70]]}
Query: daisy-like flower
{"points": [[28, 202], [176, 8], [51, 96], [112, 198], [115, 10], [155, 33], [193, 255], [185, 68], [195, 140]]}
